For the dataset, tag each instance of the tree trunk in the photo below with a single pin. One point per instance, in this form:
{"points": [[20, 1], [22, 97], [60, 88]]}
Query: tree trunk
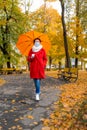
{"points": [[5, 39], [50, 61], [8, 62], [5, 45], [65, 36], [77, 33], [59, 65]]}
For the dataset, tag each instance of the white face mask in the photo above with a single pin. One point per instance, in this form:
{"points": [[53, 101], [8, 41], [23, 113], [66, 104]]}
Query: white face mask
{"points": [[37, 43]]}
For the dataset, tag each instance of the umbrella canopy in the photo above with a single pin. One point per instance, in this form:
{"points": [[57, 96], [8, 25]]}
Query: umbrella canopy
{"points": [[25, 41]]}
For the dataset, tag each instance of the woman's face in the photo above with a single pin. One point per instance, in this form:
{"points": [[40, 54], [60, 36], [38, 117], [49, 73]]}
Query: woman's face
{"points": [[37, 42]]}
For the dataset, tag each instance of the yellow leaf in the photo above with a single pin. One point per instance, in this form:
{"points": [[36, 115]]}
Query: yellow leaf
{"points": [[42, 119], [19, 127], [0, 127], [13, 127], [46, 128], [30, 117], [47, 108], [11, 110], [16, 119], [21, 118], [5, 111], [30, 109], [13, 101], [46, 121], [36, 123]]}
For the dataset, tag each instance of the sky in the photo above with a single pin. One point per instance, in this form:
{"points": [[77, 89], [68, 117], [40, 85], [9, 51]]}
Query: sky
{"points": [[37, 3]]}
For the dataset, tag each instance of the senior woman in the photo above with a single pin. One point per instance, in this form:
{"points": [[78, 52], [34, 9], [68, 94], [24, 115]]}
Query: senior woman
{"points": [[37, 59]]}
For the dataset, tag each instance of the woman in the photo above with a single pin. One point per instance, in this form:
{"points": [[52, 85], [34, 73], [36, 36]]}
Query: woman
{"points": [[37, 59]]}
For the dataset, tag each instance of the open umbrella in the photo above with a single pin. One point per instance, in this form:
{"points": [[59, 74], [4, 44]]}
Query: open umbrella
{"points": [[25, 41]]}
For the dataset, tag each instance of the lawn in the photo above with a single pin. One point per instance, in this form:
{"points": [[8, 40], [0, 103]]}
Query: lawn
{"points": [[71, 109]]}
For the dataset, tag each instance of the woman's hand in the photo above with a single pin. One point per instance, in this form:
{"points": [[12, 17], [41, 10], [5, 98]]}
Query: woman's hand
{"points": [[33, 55]]}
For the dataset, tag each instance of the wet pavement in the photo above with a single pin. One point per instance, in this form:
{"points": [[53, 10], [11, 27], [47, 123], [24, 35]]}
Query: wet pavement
{"points": [[18, 108]]}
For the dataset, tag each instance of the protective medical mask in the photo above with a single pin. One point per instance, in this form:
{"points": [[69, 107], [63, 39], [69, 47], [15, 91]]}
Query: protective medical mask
{"points": [[37, 43]]}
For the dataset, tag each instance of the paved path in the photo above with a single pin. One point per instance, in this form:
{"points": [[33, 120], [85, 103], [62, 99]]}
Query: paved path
{"points": [[18, 108]]}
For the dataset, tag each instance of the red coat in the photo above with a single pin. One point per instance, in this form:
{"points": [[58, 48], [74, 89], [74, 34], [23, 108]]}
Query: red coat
{"points": [[37, 64]]}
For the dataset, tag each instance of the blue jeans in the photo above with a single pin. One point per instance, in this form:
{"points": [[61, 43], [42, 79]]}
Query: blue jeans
{"points": [[37, 85]]}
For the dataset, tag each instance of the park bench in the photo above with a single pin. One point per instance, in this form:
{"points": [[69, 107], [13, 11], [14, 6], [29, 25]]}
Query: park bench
{"points": [[68, 74], [10, 71]]}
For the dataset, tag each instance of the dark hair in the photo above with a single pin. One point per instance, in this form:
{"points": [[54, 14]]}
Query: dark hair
{"points": [[37, 39]]}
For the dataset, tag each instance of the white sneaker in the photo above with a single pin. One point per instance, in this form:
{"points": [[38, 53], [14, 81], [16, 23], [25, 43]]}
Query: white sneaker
{"points": [[37, 97]]}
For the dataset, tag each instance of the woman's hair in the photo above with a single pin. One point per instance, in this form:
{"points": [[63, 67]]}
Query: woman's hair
{"points": [[37, 39]]}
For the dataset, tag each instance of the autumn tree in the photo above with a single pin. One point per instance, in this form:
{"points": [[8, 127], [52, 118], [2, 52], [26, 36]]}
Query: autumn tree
{"points": [[45, 3], [79, 22], [83, 22], [83, 16], [75, 30], [53, 28], [12, 24]]}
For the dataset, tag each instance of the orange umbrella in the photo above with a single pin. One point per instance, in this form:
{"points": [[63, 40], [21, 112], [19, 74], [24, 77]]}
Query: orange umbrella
{"points": [[25, 41]]}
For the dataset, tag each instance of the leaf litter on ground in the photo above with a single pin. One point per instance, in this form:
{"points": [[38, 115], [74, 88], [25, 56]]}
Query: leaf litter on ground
{"points": [[71, 109]]}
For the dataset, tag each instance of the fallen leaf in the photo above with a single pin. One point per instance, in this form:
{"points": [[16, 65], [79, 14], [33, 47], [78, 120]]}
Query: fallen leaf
{"points": [[21, 118], [5, 111], [13, 101], [30, 109], [46, 128], [36, 123], [1, 127], [30, 117], [16, 119], [19, 127], [11, 110]]}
